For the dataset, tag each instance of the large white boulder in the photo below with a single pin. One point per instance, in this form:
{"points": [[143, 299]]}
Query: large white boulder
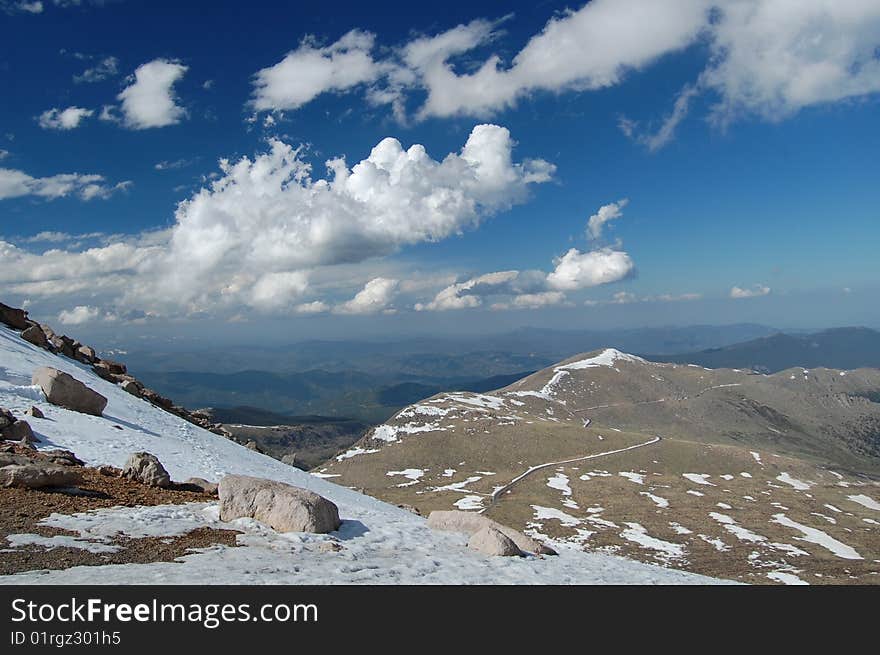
{"points": [[66, 391], [470, 523], [490, 541], [282, 507], [146, 469]]}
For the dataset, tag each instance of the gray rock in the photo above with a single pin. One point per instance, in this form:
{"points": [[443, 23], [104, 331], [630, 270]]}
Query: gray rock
{"points": [[19, 431], [35, 412], [36, 475], [6, 418], [204, 485], [490, 541], [35, 335], [66, 391], [470, 523], [282, 507], [289, 459], [132, 387], [14, 318], [86, 354], [146, 469]]}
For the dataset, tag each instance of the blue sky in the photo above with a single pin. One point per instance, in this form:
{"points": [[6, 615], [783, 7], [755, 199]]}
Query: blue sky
{"points": [[732, 144]]}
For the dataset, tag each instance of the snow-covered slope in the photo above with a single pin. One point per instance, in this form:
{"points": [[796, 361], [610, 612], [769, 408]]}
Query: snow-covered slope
{"points": [[383, 544]]}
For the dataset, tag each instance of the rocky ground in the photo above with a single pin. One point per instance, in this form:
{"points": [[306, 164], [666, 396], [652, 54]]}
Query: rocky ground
{"points": [[23, 510]]}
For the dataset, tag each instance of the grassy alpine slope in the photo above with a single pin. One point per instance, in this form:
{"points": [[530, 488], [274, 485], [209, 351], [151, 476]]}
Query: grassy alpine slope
{"points": [[725, 472]]}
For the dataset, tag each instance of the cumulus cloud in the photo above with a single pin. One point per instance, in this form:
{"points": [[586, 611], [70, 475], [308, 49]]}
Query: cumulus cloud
{"points": [[79, 315], [105, 68], [310, 70], [64, 119], [580, 270], [753, 292], [149, 100], [374, 297], [269, 214], [257, 234], [274, 291], [15, 184], [606, 214]]}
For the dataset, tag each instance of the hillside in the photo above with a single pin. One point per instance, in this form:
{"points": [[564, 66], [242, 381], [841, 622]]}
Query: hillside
{"points": [[754, 477], [379, 542], [840, 348]]}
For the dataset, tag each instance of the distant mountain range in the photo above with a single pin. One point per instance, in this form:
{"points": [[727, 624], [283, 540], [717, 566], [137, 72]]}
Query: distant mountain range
{"points": [[840, 348], [370, 381]]}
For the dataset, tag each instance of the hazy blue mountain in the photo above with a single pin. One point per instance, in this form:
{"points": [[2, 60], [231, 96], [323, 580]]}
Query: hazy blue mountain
{"points": [[841, 348]]}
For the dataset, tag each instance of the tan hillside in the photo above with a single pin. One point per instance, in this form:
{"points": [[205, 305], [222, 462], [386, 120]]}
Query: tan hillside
{"points": [[726, 472]]}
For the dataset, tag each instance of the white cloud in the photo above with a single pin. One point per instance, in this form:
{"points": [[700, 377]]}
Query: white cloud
{"points": [[465, 295], [268, 213], [64, 119], [774, 57], [107, 67], [35, 7], [314, 307], [3, 153], [753, 292], [605, 214], [767, 58], [374, 297], [149, 100], [275, 291], [590, 48], [15, 184], [581, 270], [21, 6], [538, 300], [79, 315], [665, 133], [257, 234], [310, 70], [173, 165]]}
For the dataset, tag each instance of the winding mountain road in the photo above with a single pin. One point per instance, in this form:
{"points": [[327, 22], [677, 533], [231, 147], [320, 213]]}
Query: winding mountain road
{"points": [[497, 494]]}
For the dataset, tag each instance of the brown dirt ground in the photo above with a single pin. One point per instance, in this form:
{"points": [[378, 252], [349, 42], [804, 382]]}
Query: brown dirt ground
{"points": [[22, 509]]}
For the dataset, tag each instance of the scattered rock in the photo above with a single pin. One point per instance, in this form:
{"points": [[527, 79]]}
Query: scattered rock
{"points": [[132, 387], [35, 412], [109, 471], [7, 418], [146, 469], [202, 485], [35, 335], [36, 475], [282, 507], [14, 318], [410, 508], [66, 391], [289, 459], [19, 431], [62, 457], [86, 354], [330, 547], [252, 445], [470, 523], [490, 541]]}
